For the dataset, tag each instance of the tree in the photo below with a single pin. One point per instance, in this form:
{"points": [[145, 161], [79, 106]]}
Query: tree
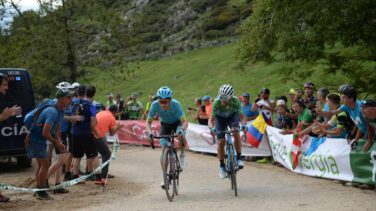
{"points": [[335, 38]]}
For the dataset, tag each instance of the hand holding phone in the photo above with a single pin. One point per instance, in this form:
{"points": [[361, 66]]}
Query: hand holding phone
{"points": [[18, 111]]}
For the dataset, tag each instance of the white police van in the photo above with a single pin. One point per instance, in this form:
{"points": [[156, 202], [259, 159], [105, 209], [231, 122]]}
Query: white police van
{"points": [[12, 130]]}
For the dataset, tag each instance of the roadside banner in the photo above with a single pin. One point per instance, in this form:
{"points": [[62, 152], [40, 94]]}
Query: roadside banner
{"points": [[332, 158]]}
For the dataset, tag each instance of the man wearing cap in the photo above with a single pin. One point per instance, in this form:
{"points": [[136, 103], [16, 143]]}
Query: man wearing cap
{"points": [[135, 108], [264, 104], [282, 119], [110, 100], [247, 106], [309, 99], [47, 129]]}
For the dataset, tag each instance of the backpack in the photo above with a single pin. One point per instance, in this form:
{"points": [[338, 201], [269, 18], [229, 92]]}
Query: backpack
{"points": [[31, 117]]}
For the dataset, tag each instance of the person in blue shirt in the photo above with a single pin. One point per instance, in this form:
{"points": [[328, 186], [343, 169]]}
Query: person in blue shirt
{"points": [[47, 129], [172, 119], [353, 107], [247, 106]]}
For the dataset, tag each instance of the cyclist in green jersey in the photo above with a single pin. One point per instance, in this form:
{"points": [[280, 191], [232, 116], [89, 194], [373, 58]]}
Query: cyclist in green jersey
{"points": [[227, 112]]}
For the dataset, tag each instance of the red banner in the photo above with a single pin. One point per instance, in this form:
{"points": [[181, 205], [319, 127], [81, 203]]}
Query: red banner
{"points": [[134, 132]]}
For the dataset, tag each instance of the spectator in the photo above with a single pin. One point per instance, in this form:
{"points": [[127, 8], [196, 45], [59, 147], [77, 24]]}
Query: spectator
{"points": [[5, 112], [82, 132], [135, 108], [322, 93], [110, 100], [353, 107], [264, 104], [369, 111], [292, 95], [66, 136], [148, 104], [246, 107], [282, 119], [106, 123], [56, 167], [121, 111], [208, 103], [198, 112], [47, 129], [309, 99], [305, 118]]}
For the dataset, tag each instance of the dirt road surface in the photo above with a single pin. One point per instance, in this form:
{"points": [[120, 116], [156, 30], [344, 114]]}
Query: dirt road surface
{"points": [[138, 176]]}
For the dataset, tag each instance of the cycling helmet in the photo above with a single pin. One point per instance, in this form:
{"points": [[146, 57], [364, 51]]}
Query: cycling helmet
{"points": [[226, 90], [64, 85], [164, 92]]}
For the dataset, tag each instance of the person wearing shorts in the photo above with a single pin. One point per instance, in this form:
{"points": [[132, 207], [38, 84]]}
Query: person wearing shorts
{"points": [[46, 128], [172, 120]]}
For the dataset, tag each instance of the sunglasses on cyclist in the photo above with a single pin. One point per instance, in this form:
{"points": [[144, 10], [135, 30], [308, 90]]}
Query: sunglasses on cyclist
{"points": [[224, 98], [164, 102]]}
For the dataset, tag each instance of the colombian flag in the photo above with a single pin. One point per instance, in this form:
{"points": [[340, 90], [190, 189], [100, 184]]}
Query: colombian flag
{"points": [[256, 130]]}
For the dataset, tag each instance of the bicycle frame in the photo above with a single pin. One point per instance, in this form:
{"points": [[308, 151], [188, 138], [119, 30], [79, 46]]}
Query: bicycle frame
{"points": [[230, 151]]}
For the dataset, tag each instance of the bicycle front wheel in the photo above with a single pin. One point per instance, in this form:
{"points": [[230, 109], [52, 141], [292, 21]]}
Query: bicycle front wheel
{"points": [[168, 174], [177, 172], [233, 174]]}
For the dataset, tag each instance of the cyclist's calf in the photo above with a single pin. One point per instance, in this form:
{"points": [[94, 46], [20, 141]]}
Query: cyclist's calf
{"points": [[221, 148]]}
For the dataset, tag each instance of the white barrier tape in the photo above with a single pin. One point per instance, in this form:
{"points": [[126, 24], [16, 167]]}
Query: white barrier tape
{"points": [[116, 148]]}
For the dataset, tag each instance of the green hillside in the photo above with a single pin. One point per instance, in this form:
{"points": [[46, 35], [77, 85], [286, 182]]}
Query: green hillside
{"points": [[191, 75]]}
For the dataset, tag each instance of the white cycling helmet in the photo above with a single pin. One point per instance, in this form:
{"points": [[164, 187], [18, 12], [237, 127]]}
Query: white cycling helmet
{"points": [[64, 85], [226, 90]]}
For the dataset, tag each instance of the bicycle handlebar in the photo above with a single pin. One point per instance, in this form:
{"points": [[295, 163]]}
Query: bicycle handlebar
{"points": [[229, 132], [166, 136]]}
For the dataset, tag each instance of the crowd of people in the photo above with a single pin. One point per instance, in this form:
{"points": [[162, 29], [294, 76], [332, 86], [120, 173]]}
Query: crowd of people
{"points": [[71, 126], [129, 109]]}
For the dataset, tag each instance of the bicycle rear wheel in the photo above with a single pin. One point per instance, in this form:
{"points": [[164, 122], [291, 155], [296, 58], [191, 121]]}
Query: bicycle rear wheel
{"points": [[168, 174]]}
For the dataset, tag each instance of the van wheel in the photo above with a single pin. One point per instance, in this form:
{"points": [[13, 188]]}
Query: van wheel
{"points": [[24, 162]]}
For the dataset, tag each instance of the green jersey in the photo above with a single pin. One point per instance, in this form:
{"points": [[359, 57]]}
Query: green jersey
{"points": [[234, 106], [135, 109]]}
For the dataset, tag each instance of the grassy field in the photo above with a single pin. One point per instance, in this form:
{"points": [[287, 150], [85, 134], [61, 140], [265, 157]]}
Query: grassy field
{"points": [[190, 75]]}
